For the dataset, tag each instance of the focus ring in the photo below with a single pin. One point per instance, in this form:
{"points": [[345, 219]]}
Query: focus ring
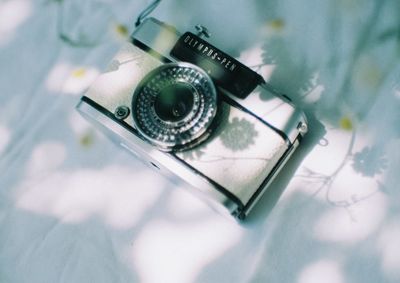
{"points": [[179, 133]]}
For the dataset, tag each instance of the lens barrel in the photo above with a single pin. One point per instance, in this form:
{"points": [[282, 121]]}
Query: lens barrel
{"points": [[174, 105]]}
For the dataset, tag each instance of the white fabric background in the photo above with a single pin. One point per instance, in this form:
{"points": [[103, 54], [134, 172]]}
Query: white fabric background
{"points": [[76, 208]]}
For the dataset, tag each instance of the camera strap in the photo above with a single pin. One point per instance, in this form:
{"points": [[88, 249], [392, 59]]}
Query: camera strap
{"points": [[147, 11]]}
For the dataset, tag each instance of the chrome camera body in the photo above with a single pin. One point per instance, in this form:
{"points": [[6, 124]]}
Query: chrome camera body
{"points": [[193, 112]]}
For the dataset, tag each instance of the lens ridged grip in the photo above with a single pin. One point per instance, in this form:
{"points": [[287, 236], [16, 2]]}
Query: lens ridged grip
{"points": [[181, 134]]}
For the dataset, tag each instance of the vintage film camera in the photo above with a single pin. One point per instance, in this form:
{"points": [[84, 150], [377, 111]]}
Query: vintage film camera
{"points": [[192, 111]]}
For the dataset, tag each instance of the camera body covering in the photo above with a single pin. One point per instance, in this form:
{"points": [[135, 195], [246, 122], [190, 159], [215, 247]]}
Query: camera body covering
{"points": [[210, 122]]}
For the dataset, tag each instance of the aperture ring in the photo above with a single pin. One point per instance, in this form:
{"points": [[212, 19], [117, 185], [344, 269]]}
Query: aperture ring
{"points": [[168, 135]]}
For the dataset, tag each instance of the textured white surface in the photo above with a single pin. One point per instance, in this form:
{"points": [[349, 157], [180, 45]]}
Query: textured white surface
{"points": [[76, 208], [240, 157]]}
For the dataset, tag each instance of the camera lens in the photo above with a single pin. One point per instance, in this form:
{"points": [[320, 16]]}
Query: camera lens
{"points": [[174, 102], [174, 105]]}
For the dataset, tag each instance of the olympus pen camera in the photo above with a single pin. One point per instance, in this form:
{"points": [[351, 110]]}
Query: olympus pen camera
{"points": [[194, 112]]}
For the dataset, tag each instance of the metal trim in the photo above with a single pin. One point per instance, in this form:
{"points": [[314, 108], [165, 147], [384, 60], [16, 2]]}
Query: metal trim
{"points": [[128, 137]]}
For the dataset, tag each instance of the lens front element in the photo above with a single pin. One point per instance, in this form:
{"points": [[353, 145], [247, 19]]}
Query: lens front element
{"points": [[174, 102], [174, 105]]}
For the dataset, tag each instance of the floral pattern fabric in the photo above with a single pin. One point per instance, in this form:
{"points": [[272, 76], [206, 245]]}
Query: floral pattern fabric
{"points": [[76, 208]]}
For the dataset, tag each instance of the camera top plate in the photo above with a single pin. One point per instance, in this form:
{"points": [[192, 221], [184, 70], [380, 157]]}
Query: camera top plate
{"points": [[226, 71]]}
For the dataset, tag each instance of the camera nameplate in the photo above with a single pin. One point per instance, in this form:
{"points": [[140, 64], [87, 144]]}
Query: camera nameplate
{"points": [[228, 72]]}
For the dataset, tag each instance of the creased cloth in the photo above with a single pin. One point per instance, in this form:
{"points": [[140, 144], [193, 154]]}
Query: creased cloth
{"points": [[74, 207]]}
